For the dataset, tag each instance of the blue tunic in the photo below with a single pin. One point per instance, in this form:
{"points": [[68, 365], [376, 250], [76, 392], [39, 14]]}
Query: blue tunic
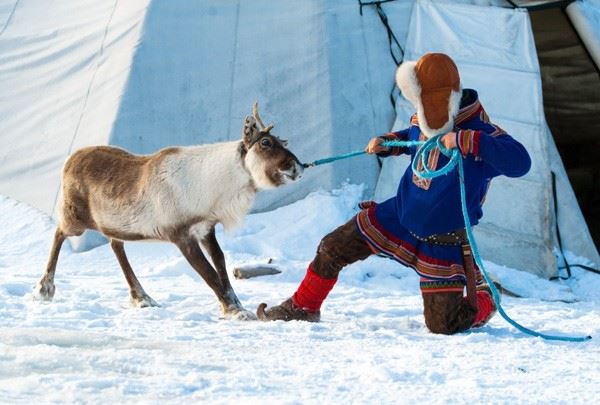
{"points": [[427, 207]]}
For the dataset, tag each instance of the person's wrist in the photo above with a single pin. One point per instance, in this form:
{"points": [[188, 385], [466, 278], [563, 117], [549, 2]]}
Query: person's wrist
{"points": [[380, 144]]}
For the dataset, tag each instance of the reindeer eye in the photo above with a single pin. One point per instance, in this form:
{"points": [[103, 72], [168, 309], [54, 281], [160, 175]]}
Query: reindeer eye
{"points": [[266, 142]]}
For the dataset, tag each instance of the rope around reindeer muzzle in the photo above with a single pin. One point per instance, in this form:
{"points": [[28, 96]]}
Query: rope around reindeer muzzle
{"points": [[455, 160]]}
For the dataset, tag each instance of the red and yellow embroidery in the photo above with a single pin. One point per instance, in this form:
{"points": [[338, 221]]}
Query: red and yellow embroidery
{"points": [[468, 142], [432, 162], [438, 275]]}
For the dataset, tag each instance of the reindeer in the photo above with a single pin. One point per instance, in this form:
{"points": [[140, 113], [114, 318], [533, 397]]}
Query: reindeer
{"points": [[177, 194]]}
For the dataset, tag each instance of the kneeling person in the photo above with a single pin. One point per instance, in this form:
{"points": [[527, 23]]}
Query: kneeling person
{"points": [[422, 226]]}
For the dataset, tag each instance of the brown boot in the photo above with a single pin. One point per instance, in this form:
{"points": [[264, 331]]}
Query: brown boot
{"points": [[286, 311]]}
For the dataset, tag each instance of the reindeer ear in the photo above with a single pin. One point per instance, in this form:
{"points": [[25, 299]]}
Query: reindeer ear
{"points": [[251, 131]]}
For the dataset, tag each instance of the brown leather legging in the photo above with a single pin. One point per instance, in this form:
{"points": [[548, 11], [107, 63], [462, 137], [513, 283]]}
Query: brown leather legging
{"points": [[445, 312]]}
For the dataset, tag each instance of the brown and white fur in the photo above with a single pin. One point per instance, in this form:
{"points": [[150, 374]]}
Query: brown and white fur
{"points": [[177, 194]]}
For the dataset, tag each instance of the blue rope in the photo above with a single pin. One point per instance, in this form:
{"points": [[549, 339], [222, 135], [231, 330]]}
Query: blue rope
{"points": [[425, 172], [495, 294], [359, 152], [334, 158]]}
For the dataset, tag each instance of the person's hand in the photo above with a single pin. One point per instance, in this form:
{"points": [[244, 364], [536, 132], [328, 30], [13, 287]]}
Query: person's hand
{"points": [[449, 140], [374, 146]]}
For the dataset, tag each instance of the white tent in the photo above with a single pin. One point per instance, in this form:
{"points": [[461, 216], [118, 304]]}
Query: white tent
{"points": [[144, 75], [147, 74]]}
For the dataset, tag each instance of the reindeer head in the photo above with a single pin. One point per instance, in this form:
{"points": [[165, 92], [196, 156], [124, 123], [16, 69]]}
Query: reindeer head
{"points": [[268, 160]]}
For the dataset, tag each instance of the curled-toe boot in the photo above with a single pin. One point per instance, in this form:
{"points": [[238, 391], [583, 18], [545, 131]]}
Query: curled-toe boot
{"points": [[286, 311]]}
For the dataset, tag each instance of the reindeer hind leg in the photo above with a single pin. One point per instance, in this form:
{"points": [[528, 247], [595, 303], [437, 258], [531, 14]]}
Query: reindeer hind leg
{"points": [[137, 296], [44, 289]]}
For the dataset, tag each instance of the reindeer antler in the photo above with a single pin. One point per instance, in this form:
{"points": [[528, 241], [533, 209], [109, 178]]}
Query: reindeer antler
{"points": [[260, 122]]}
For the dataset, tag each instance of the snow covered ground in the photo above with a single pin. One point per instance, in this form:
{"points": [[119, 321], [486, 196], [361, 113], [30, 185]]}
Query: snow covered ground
{"points": [[371, 346]]}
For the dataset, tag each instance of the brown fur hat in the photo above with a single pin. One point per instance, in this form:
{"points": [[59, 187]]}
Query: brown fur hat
{"points": [[432, 85]]}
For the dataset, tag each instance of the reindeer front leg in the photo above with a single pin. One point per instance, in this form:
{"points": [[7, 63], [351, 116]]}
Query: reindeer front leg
{"points": [[219, 283], [209, 242]]}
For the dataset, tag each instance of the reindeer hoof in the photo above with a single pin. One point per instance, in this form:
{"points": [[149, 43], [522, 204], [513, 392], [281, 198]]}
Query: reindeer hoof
{"points": [[43, 291], [143, 302], [240, 314]]}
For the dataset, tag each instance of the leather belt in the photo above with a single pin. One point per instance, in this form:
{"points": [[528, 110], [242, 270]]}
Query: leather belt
{"points": [[458, 238], [454, 238]]}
